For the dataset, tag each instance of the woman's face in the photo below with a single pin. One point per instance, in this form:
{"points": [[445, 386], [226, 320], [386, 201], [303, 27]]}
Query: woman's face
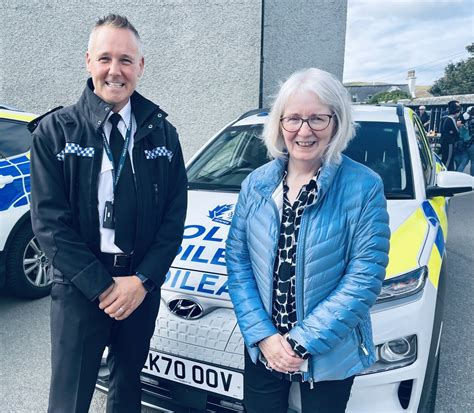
{"points": [[307, 145]]}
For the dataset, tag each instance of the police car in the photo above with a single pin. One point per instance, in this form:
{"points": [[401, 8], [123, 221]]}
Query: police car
{"points": [[23, 266], [196, 358]]}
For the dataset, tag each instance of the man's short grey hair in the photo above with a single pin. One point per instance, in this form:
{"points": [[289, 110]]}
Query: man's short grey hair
{"points": [[331, 92], [118, 22]]}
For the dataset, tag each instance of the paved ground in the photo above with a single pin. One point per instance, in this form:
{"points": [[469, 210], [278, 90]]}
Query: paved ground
{"points": [[24, 334]]}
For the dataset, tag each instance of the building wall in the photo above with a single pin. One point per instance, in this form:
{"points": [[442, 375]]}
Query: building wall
{"points": [[302, 34], [202, 57]]}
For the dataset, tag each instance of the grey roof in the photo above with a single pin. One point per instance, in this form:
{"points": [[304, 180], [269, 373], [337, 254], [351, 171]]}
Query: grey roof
{"points": [[443, 100]]}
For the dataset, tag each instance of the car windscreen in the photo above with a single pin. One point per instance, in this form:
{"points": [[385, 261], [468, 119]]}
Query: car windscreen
{"points": [[14, 138], [225, 163], [237, 151]]}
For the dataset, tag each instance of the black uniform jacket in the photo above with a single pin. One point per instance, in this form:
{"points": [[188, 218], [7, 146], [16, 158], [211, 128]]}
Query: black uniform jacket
{"points": [[66, 158]]}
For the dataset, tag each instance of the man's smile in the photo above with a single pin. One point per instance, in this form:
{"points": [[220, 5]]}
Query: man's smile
{"points": [[115, 84]]}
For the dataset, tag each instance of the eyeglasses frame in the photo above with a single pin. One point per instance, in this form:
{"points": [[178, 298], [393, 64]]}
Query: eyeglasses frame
{"points": [[303, 120]]}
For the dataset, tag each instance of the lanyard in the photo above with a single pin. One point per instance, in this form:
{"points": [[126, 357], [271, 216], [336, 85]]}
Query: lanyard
{"points": [[123, 155]]}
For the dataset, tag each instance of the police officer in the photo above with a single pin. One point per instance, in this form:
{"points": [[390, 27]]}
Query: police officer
{"points": [[108, 207]]}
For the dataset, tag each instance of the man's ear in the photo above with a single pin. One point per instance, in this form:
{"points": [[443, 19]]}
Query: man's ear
{"points": [[142, 67], [88, 61]]}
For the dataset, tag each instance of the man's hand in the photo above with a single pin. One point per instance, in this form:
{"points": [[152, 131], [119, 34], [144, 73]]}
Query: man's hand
{"points": [[279, 354], [106, 292], [126, 295]]}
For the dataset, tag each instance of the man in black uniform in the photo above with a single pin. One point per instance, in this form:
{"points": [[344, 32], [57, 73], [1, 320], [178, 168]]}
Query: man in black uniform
{"points": [[450, 134], [108, 207]]}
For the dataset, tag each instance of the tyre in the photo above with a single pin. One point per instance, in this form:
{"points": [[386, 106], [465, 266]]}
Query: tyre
{"points": [[27, 274]]}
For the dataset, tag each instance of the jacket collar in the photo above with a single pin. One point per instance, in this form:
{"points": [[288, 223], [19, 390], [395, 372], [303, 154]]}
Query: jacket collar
{"points": [[272, 174], [147, 114]]}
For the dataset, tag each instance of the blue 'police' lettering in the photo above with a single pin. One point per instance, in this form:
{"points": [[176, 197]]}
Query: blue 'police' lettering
{"points": [[219, 257], [197, 255], [223, 289], [207, 279], [211, 233], [199, 231], [183, 282]]}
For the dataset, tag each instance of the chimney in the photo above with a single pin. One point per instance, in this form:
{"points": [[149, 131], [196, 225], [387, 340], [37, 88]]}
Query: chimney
{"points": [[411, 83]]}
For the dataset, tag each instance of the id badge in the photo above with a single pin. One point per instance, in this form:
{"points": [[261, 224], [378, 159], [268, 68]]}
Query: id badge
{"points": [[108, 221]]}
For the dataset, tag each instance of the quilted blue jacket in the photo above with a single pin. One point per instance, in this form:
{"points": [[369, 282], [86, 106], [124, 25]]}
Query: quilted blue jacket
{"points": [[342, 254]]}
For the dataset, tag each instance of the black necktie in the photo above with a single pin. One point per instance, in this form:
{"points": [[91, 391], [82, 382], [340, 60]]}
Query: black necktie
{"points": [[125, 197]]}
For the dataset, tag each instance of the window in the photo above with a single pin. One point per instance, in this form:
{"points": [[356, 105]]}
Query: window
{"points": [[14, 138], [383, 147], [226, 162], [424, 151]]}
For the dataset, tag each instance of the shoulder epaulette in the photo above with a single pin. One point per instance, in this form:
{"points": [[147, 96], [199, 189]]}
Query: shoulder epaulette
{"points": [[35, 122]]}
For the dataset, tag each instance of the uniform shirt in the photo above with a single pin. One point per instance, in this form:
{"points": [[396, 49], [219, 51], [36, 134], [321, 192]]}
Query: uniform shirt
{"points": [[107, 235]]}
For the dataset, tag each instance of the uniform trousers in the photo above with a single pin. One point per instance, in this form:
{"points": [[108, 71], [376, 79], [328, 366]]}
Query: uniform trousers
{"points": [[80, 331], [264, 392]]}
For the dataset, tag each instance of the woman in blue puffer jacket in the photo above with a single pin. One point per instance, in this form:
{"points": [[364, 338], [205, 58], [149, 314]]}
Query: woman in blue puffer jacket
{"points": [[306, 253]]}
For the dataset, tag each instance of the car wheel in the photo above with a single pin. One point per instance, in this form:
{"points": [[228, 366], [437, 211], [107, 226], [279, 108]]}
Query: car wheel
{"points": [[27, 266]]}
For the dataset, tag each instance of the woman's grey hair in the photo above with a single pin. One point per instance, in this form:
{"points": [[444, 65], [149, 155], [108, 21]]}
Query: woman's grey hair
{"points": [[331, 92], [117, 22]]}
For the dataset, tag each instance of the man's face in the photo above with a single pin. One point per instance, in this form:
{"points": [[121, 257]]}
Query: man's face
{"points": [[115, 64]]}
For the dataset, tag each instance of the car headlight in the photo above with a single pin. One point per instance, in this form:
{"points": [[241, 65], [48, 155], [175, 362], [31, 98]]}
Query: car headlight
{"points": [[403, 285], [394, 354]]}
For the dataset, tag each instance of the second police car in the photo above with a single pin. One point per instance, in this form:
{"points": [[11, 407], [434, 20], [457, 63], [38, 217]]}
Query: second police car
{"points": [[23, 265], [196, 356]]}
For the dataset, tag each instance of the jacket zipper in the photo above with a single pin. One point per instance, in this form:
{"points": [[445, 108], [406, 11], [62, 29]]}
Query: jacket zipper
{"points": [[271, 201], [361, 341], [300, 285], [155, 188], [135, 170]]}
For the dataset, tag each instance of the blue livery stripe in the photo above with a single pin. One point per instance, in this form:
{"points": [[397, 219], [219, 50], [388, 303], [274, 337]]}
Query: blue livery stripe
{"points": [[17, 160], [10, 170], [22, 201], [430, 214], [11, 193], [24, 168]]}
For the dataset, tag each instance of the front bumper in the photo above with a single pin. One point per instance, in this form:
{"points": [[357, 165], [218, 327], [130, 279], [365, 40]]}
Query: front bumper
{"points": [[165, 396], [397, 390]]}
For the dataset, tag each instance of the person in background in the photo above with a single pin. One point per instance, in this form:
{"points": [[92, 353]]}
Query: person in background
{"points": [[469, 123], [109, 194], [450, 134], [424, 117], [306, 253], [461, 154]]}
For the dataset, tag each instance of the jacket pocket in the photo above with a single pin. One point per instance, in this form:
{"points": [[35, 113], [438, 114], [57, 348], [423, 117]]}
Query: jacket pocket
{"points": [[364, 353]]}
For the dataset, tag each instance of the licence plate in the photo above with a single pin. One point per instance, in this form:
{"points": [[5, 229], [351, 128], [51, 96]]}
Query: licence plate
{"points": [[192, 373]]}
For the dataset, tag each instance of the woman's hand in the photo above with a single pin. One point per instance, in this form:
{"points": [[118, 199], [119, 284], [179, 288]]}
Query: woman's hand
{"points": [[279, 354]]}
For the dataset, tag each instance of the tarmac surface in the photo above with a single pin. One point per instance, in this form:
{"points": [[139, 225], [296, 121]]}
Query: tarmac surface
{"points": [[25, 348]]}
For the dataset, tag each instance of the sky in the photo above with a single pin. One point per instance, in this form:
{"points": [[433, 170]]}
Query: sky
{"points": [[386, 38]]}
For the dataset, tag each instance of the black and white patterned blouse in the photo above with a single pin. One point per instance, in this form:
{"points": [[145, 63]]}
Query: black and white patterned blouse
{"points": [[284, 272]]}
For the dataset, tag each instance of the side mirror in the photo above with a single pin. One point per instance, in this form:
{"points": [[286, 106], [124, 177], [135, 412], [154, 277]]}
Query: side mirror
{"points": [[449, 183]]}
